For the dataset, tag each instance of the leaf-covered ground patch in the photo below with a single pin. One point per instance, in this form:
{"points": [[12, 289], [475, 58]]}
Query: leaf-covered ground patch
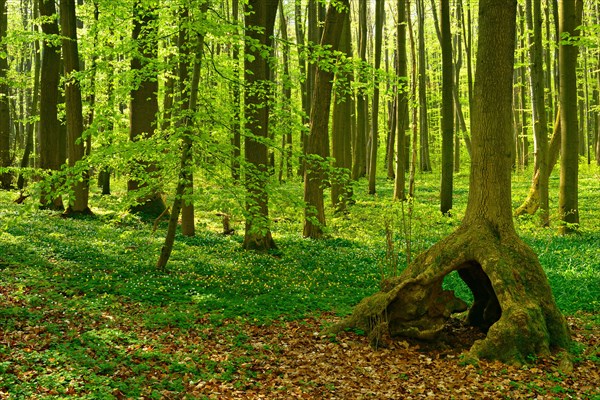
{"points": [[115, 354]]}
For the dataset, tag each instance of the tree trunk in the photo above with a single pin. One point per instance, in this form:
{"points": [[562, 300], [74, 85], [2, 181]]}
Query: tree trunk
{"points": [[359, 149], [447, 122], [49, 127], [569, 19], [513, 301], [257, 96], [401, 103], [540, 126], [5, 161], [425, 162], [78, 200], [532, 203], [316, 149], [304, 88], [379, 18], [144, 103], [341, 129]]}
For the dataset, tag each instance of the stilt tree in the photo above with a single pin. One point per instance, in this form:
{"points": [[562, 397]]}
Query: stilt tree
{"points": [[513, 301]]}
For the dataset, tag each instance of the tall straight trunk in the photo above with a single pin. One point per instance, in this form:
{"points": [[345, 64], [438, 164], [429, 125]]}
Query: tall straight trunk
{"points": [[548, 62], [540, 125], [569, 19], [257, 235], [78, 200], [413, 93], [144, 102], [236, 137], [304, 87], [316, 149], [5, 161], [467, 30], [286, 155], [359, 157], [379, 18], [447, 122], [401, 102], [523, 93], [341, 130], [50, 132], [425, 161]]}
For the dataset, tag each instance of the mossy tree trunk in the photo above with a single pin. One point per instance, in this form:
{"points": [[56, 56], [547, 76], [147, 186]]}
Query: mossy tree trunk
{"points": [[513, 301]]}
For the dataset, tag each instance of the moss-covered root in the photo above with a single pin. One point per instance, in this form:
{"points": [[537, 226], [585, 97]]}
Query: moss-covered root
{"points": [[520, 333]]}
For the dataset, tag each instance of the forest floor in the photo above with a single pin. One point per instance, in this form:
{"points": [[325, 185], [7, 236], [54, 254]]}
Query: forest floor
{"points": [[229, 359], [85, 314]]}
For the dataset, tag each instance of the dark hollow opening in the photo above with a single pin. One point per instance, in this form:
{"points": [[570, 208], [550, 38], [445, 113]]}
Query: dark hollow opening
{"points": [[486, 309]]}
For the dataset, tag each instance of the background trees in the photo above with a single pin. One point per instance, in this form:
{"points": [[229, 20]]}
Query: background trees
{"points": [[131, 75]]}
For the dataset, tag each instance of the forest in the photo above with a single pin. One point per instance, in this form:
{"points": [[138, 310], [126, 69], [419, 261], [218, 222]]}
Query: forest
{"points": [[345, 199]]}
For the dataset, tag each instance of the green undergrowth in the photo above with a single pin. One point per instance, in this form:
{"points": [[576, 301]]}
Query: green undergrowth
{"points": [[87, 289]]}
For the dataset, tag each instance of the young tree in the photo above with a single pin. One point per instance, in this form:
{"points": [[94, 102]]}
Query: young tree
{"points": [[316, 149], [78, 201], [569, 19], [144, 101], [379, 17], [424, 160], [513, 301], [5, 178], [50, 133], [260, 21]]}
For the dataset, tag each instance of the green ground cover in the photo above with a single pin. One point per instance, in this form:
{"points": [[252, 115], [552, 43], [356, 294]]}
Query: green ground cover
{"points": [[84, 311]]}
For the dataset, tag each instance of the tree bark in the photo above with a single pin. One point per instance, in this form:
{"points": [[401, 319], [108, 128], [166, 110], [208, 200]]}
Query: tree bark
{"points": [[359, 149], [341, 189], [513, 302], [316, 149], [424, 159], [5, 161], [257, 234], [447, 122], [144, 103], [540, 125], [401, 103], [78, 200], [569, 19], [379, 18], [49, 127]]}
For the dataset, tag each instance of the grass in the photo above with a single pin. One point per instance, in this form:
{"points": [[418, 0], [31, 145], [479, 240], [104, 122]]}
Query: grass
{"points": [[85, 311]]}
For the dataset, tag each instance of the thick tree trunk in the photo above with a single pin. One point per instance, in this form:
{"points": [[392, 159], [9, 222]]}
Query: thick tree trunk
{"points": [[78, 200], [50, 140], [316, 149], [513, 301], [144, 103], [568, 209], [257, 234], [401, 103], [447, 122], [341, 130]]}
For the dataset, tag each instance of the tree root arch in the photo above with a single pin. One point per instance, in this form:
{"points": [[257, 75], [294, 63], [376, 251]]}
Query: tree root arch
{"points": [[513, 301]]}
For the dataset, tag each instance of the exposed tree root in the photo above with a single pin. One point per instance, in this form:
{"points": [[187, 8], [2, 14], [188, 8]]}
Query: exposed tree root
{"points": [[513, 301]]}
